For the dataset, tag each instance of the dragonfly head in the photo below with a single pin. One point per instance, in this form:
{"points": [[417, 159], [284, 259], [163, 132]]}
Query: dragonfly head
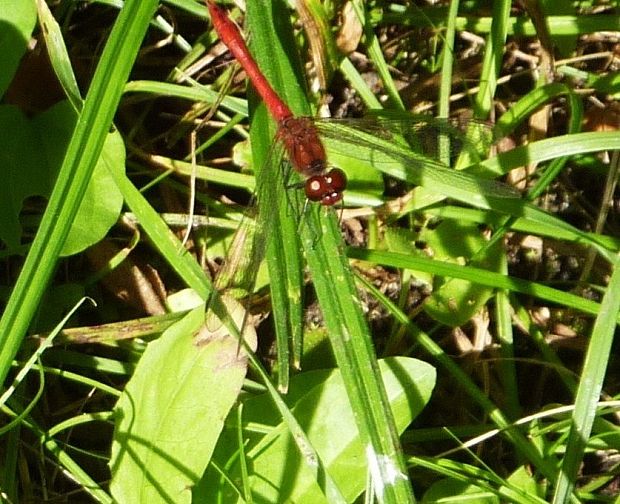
{"points": [[326, 188]]}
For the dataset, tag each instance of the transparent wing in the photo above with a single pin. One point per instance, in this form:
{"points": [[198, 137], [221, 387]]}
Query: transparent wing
{"points": [[247, 249], [409, 150]]}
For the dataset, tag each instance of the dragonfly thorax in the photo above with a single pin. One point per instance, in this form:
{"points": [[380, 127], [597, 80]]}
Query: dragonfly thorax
{"points": [[307, 155], [303, 145]]}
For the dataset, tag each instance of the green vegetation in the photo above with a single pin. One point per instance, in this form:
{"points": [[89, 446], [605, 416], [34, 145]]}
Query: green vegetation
{"points": [[444, 335]]}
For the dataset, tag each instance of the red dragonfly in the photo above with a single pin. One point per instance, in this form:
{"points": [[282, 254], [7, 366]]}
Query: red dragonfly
{"points": [[298, 134], [378, 139], [402, 148]]}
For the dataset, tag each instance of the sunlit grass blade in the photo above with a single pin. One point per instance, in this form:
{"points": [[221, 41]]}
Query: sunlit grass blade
{"points": [[447, 63], [343, 316], [164, 240], [354, 351], [377, 57], [590, 386], [194, 93], [476, 275], [483, 102]]}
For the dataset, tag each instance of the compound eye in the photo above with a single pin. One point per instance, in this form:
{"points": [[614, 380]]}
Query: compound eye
{"points": [[316, 187], [337, 179], [326, 188], [331, 199]]}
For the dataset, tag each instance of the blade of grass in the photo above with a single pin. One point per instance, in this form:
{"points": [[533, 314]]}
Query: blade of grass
{"points": [[82, 154], [165, 240], [536, 98], [376, 56], [354, 351], [445, 84], [507, 368], [59, 57], [475, 275], [336, 293], [482, 478], [194, 93], [35, 358], [520, 224], [590, 386], [550, 148], [517, 25], [358, 83], [447, 63], [492, 62], [270, 30]]}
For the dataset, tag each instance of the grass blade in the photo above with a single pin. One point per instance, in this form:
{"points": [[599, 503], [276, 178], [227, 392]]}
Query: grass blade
{"points": [[590, 386], [336, 292]]}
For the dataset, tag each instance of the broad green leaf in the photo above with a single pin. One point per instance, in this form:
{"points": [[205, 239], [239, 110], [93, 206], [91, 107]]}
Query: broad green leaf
{"points": [[319, 401], [102, 201], [453, 301], [523, 479], [31, 152], [25, 171], [17, 20], [451, 491], [172, 411]]}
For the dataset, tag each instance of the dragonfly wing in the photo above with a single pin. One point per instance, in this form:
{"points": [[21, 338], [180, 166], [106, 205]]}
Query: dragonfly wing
{"points": [[393, 156], [232, 318], [424, 134], [235, 281]]}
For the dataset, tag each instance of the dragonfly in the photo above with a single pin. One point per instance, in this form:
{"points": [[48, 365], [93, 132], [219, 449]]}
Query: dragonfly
{"points": [[298, 135], [390, 143], [301, 140]]}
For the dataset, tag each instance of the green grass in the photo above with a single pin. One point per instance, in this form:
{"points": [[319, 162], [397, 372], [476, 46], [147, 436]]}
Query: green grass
{"points": [[464, 345]]}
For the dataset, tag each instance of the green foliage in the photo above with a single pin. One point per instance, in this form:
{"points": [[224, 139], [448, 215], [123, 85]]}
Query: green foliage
{"points": [[522, 272], [17, 20], [164, 436], [319, 400], [32, 171]]}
